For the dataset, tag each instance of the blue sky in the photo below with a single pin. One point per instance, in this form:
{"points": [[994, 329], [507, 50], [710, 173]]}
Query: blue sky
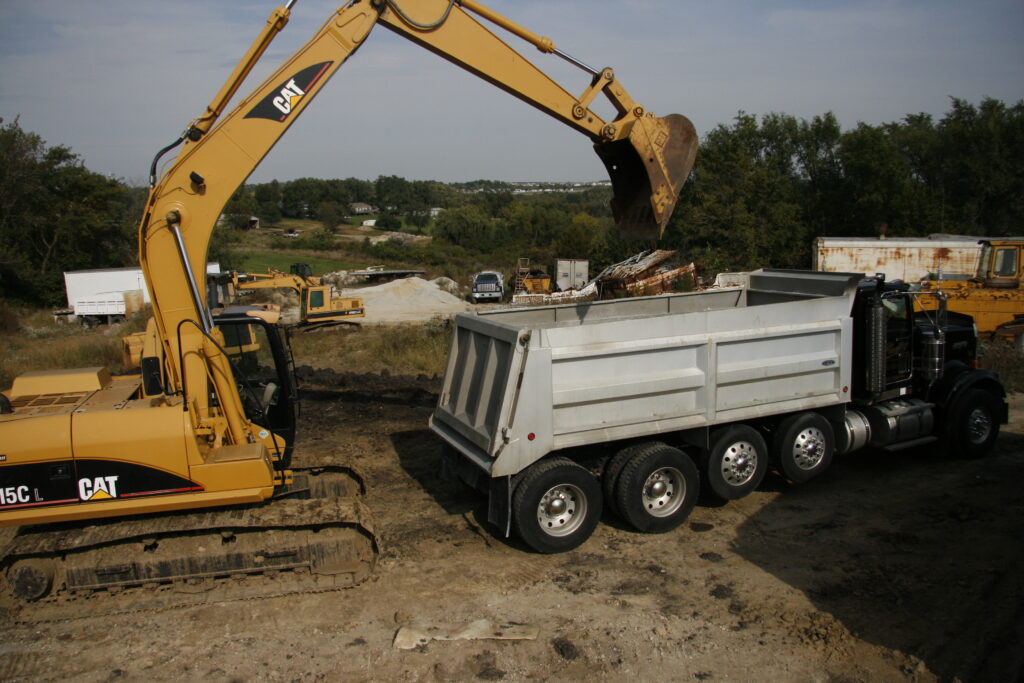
{"points": [[117, 79]]}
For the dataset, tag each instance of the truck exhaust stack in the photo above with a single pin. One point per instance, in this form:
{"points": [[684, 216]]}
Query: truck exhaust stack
{"points": [[647, 171]]}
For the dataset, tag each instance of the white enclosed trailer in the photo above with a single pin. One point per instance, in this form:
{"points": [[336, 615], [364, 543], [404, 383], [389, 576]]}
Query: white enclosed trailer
{"points": [[712, 369], [103, 295], [911, 259]]}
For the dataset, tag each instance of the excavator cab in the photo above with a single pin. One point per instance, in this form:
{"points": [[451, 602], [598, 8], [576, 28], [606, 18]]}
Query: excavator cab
{"points": [[648, 170], [260, 354]]}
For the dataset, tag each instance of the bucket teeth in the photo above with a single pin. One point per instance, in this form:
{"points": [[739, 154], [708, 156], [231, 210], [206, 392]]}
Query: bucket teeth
{"points": [[648, 170]]}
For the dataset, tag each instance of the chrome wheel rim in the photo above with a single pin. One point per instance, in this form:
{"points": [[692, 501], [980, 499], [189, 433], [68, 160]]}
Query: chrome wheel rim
{"points": [[739, 463], [809, 448], [979, 426], [663, 492], [561, 510]]}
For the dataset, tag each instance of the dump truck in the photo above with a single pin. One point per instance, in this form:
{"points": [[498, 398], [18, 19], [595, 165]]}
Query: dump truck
{"points": [[640, 404]]}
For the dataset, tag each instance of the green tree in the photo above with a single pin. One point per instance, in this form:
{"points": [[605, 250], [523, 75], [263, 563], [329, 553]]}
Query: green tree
{"points": [[466, 226], [268, 202], [576, 240], [56, 215], [240, 209], [331, 215]]}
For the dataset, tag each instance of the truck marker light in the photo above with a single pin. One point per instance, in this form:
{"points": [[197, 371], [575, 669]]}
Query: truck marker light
{"points": [[531, 436]]}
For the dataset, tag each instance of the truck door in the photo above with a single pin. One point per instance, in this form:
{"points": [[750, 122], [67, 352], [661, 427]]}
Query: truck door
{"points": [[899, 357]]}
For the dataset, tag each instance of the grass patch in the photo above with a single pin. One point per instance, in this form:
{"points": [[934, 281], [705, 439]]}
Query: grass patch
{"points": [[260, 260], [1002, 358], [399, 349]]}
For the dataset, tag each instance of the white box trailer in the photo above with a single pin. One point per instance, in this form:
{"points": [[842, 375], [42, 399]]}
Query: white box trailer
{"points": [[910, 259], [104, 295], [717, 372], [571, 273]]}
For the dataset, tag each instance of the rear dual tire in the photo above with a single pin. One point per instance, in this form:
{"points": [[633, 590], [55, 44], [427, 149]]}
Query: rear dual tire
{"points": [[656, 487]]}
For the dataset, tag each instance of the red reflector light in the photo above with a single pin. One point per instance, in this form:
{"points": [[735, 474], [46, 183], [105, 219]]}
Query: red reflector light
{"points": [[531, 436]]}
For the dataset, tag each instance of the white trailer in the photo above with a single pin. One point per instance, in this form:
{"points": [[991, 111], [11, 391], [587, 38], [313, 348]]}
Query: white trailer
{"points": [[105, 295], [911, 259], [536, 401], [571, 273]]}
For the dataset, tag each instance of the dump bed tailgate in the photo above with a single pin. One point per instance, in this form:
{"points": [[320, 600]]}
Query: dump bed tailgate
{"points": [[481, 386]]}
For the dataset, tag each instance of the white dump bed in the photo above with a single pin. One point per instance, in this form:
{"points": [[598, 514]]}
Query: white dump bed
{"points": [[521, 383]]}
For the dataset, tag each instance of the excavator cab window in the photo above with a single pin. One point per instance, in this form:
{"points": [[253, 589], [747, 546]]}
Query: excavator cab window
{"points": [[260, 355], [1005, 263], [316, 299]]}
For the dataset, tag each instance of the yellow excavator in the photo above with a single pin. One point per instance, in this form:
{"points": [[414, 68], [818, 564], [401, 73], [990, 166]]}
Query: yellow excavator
{"points": [[210, 420], [319, 307]]}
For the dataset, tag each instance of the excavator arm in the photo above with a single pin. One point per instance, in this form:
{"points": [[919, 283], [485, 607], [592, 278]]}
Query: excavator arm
{"points": [[648, 159]]}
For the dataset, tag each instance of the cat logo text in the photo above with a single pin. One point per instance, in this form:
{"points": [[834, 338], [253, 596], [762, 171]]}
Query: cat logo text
{"points": [[97, 488], [280, 103]]}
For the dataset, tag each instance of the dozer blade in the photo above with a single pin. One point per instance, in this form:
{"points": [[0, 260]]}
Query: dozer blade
{"points": [[648, 170]]}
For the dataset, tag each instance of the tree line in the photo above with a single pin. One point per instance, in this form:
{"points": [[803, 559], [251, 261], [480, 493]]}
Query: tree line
{"points": [[762, 189]]}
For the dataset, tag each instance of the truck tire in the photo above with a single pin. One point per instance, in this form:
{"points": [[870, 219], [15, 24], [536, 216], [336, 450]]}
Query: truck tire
{"points": [[736, 462], [973, 424], [556, 505], [803, 446], [610, 476], [657, 488]]}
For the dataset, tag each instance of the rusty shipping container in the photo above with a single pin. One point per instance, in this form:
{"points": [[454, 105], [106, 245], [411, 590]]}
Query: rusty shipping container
{"points": [[911, 259]]}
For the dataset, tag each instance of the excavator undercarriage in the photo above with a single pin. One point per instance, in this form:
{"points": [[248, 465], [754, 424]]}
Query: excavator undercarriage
{"points": [[315, 535]]}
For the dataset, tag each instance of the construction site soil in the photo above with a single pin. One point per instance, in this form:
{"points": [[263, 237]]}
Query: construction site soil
{"points": [[889, 567]]}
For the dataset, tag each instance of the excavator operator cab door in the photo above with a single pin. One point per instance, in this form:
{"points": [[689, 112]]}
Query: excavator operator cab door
{"points": [[315, 302], [262, 362]]}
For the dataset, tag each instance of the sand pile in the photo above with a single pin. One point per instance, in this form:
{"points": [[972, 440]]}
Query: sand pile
{"points": [[408, 300]]}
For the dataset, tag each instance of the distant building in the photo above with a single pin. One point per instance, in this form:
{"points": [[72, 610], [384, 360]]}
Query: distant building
{"points": [[360, 208]]}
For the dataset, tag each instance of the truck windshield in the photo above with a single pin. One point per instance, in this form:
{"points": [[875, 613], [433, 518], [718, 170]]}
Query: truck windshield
{"points": [[487, 277]]}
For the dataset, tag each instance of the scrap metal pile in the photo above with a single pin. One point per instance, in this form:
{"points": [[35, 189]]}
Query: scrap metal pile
{"points": [[643, 274]]}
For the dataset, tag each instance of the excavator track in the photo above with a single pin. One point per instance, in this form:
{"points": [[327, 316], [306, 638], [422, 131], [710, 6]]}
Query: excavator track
{"points": [[315, 535]]}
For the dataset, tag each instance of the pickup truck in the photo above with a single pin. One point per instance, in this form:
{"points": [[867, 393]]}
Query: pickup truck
{"points": [[641, 404]]}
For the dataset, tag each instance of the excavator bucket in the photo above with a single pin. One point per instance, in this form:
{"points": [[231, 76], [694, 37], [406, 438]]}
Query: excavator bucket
{"points": [[648, 170]]}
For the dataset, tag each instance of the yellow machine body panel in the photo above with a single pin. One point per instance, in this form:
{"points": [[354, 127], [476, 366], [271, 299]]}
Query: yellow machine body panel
{"points": [[90, 454], [994, 297], [54, 382]]}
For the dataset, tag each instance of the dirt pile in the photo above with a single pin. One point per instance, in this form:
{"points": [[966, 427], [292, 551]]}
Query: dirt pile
{"points": [[408, 300]]}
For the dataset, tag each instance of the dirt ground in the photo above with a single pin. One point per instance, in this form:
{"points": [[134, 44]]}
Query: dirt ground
{"points": [[888, 568]]}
